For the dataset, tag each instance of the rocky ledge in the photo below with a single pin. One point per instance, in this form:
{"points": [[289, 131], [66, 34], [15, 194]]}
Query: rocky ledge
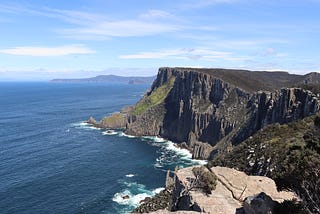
{"points": [[235, 192]]}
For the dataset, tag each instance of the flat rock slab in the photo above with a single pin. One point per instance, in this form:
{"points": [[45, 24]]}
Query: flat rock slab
{"points": [[232, 188]]}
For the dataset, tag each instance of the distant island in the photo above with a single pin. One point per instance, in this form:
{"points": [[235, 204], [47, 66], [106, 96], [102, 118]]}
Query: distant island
{"points": [[110, 79]]}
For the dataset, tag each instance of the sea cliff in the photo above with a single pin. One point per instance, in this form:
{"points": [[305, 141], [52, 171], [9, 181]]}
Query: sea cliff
{"points": [[211, 110]]}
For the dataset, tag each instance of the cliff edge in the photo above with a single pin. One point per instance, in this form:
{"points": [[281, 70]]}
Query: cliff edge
{"points": [[211, 110]]}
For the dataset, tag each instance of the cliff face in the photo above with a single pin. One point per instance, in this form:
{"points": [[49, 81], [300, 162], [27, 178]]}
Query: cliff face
{"points": [[211, 113]]}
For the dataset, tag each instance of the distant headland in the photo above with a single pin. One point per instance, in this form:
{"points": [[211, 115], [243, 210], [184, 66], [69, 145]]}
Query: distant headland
{"points": [[109, 79]]}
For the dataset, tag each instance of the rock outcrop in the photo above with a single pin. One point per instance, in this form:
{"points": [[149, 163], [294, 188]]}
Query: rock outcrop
{"points": [[115, 121], [213, 109], [161, 201], [259, 204], [233, 188]]}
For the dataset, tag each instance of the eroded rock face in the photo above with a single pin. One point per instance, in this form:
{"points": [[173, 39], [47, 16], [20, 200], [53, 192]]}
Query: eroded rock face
{"points": [[211, 114], [233, 187], [259, 204]]}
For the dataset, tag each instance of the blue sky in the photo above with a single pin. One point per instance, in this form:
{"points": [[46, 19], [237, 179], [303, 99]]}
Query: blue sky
{"points": [[81, 38]]}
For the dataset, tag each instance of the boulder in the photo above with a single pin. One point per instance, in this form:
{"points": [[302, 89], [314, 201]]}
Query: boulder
{"points": [[92, 121], [126, 197], [259, 204]]}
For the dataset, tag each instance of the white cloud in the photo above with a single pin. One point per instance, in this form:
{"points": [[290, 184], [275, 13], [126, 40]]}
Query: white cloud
{"points": [[120, 28], [86, 25], [185, 54], [47, 51], [152, 14], [98, 26]]}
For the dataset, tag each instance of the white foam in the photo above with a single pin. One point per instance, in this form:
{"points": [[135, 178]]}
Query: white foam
{"points": [[171, 153], [84, 125], [129, 175], [155, 139], [158, 190], [180, 151], [109, 132], [126, 197], [133, 200], [199, 162], [158, 165], [126, 135]]}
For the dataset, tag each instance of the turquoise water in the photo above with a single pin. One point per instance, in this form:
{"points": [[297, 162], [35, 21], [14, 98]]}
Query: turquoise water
{"points": [[52, 162]]}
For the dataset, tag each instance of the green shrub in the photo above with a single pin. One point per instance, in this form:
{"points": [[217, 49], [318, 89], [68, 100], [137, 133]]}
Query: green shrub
{"points": [[205, 179]]}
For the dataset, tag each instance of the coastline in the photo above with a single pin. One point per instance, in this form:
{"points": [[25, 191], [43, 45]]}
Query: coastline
{"points": [[166, 147]]}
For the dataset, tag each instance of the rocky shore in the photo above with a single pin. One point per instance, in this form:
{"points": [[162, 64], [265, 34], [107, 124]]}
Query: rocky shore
{"points": [[161, 201]]}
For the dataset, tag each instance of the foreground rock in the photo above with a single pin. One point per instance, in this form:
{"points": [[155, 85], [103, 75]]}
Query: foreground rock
{"points": [[233, 190]]}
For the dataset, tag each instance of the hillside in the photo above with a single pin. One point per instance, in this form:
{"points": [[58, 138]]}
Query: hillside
{"points": [[110, 79]]}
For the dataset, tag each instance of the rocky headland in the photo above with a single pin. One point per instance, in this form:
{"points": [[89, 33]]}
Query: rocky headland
{"points": [[226, 116], [212, 110]]}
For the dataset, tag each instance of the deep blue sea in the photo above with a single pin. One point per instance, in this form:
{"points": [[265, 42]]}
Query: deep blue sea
{"points": [[51, 161]]}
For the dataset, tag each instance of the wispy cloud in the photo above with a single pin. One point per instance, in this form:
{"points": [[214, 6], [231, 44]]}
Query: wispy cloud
{"points": [[47, 51], [86, 25], [89, 25], [156, 14], [185, 54], [197, 4], [119, 28]]}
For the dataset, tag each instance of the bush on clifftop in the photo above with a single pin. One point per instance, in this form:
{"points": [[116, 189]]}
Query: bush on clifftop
{"points": [[205, 179]]}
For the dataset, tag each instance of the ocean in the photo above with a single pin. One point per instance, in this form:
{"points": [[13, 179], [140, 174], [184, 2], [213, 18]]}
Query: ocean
{"points": [[51, 161]]}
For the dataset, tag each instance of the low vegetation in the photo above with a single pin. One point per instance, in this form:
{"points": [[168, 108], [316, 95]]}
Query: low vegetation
{"points": [[204, 179], [155, 98], [116, 120], [314, 88]]}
